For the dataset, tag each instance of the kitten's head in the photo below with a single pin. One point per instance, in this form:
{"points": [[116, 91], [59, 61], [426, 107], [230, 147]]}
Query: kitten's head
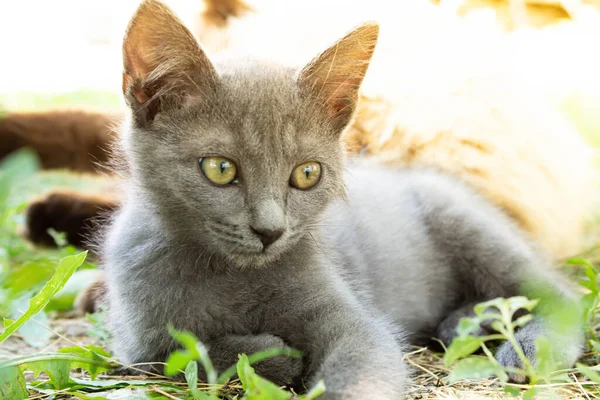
{"points": [[239, 156]]}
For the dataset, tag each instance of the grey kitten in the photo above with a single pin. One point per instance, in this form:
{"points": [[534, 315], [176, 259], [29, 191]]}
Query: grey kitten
{"points": [[241, 225]]}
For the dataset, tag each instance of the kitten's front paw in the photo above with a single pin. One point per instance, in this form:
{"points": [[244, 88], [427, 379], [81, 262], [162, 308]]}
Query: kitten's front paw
{"points": [[566, 346], [508, 357], [138, 370], [280, 370]]}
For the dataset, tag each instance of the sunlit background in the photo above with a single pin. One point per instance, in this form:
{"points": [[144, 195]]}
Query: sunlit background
{"points": [[59, 46]]}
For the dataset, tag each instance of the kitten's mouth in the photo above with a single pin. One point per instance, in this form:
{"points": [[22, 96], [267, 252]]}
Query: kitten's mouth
{"points": [[265, 251], [247, 253], [257, 258]]}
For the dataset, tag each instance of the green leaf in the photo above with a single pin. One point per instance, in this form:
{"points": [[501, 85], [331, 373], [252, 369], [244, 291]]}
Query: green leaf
{"points": [[98, 328], [316, 391], [86, 350], [552, 395], [34, 331], [512, 391], [25, 279], [176, 362], [589, 285], [577, 261], [107, 384], [56, 365], [589, 372], [509, 306], [187, 340], [522, 321], [191, 377], [521, 302], [462, 347], [590, 272], [15, 168], [589, 303], [592, 276], [476, 368], [489, 315], [595, 346], [467, 326], [260, 356], [194, 350], [60, 238], [64, 299], [89, 353], [497, 303], [562, 315], [562, 377], [255, 387], [543, 355], [498, 326], [530, 393], [65, 269], [57, 369], [81, 396], [12, 383]]}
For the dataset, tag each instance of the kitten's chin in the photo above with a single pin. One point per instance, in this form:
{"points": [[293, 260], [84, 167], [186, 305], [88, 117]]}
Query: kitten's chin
{"points": [[245, 258], [254, 260]]}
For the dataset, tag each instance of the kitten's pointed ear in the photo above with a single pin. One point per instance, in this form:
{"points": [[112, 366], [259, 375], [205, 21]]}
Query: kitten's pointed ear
{"points": [[163, 63], [335, 76]]}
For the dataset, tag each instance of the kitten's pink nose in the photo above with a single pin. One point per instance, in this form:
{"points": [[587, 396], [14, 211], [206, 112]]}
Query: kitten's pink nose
{"points": [[267, 236]]}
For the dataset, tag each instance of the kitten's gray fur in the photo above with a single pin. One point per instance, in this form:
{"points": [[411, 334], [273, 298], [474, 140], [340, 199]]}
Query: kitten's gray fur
{"points": [[350, 281]]}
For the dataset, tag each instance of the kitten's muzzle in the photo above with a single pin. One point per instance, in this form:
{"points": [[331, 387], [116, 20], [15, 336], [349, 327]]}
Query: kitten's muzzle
{"points": [[268, 220], [267, 236]]}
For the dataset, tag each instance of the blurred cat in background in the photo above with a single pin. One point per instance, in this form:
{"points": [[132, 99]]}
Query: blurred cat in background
{"points": [[433, 96]]}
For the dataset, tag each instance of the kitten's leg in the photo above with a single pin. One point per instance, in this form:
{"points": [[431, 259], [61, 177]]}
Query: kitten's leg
{"points": [[492, 258], [281, 370], [446, 331], [526, 337], [223, 353], [357, 352], [506, 354], [568, 345]]}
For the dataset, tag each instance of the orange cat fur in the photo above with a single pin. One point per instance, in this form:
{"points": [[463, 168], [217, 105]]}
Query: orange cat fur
{"points": [[443, 92], [437, 103]]}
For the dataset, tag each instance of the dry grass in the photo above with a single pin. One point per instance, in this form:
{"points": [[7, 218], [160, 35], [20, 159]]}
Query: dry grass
{"points": [[430, 382]]}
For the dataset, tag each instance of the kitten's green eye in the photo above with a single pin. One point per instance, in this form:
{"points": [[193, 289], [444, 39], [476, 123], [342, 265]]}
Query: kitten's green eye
{"points": [[219, 170], [306, 175]]}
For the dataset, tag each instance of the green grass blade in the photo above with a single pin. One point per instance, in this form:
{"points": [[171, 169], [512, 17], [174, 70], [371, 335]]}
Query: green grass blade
{"points": [[260, 356], [256, 387], [476, 367], [73, 358], [12, 383], [65, 269], [316, 391], [15, 168], [191, 377]]}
